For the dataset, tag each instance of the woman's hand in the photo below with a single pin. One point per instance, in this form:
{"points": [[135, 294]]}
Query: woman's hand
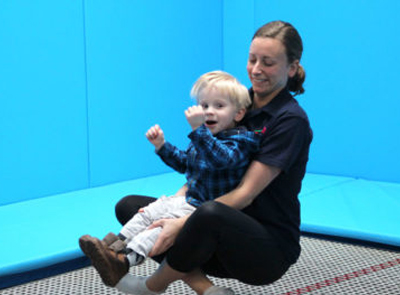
{"points": [[167, 237]]}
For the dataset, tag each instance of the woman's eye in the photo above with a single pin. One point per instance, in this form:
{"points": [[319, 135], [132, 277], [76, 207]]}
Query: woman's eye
{"points": [[268, 63]]}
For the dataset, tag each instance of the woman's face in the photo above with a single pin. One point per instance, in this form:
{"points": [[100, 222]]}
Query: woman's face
{"points": [[268, 67]]}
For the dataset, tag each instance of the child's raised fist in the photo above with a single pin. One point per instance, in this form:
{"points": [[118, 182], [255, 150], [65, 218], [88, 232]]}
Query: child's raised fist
{"points": [[156, 136]]}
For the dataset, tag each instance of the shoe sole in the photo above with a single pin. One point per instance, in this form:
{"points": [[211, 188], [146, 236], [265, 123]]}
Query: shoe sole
{"points": [[93, 249]]}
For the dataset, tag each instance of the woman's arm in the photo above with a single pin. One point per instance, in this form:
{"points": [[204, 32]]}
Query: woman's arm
{"points": [[170, 230], [256, 179]]}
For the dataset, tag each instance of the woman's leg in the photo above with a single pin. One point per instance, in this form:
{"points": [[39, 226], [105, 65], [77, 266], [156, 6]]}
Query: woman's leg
{"points": [[226, 242], [159, 281], [198, 281], [128, 206], [223, 241], [125, 209]]}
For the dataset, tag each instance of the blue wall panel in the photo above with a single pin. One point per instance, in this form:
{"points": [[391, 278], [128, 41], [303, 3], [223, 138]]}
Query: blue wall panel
{"points": [[61, 130], [43, 140], [351, 61], [143, 57], [238, 30]]}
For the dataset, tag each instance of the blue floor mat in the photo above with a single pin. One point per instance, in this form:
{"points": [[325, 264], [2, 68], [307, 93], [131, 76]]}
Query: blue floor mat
{"points": [[44, 232], [354, 208]]}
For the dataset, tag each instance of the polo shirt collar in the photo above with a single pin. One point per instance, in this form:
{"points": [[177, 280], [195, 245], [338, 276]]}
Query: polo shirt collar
{"points": [[274, 105]]}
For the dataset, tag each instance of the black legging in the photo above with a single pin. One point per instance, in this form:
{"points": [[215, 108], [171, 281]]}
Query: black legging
{"points": [[222, 241]]}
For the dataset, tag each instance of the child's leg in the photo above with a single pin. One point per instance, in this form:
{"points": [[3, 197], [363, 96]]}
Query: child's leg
{"points": [[172, 207], [141, 220], [144, 242], [128, 206], [164, 207], [105, 259], [136, 226]]}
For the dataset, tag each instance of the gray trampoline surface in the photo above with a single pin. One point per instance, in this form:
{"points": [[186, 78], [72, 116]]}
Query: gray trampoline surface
{"points": [[324, 267]]}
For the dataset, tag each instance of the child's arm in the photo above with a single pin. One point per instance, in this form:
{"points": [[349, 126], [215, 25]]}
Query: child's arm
{"points": [[170, 154], [223, 153], [217, 153], [195, 116], [156, 136], [182, 191]]}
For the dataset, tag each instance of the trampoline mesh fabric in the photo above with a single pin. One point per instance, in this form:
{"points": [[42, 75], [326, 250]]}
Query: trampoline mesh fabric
{"points": [[324, 267]]}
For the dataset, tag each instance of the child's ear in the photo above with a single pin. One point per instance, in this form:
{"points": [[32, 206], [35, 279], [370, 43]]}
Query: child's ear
{"points": [[240, 114]]}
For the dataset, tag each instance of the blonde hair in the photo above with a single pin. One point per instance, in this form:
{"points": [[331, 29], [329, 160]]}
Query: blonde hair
{"points": [[226, 84]]}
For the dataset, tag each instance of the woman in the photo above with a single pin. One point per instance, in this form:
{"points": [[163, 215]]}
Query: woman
{"points": [[252, 233]]}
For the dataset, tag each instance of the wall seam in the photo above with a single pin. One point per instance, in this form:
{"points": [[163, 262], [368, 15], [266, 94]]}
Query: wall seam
{"points": [[223, 35], [86, 94], [254, 16]]}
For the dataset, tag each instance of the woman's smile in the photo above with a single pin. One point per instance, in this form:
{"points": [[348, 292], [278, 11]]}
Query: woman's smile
{"points": [[258, 81], [267, 67]]}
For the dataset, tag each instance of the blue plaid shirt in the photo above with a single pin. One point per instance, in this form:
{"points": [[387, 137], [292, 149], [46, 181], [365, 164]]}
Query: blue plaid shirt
{"points": [[213, 165]]}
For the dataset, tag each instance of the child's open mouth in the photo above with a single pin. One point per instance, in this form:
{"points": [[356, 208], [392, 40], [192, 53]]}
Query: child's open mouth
{"points": [[210, 123]]}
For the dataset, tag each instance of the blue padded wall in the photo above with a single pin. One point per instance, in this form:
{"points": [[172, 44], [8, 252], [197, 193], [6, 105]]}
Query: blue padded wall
{"points": [[143, 57], [43, 138], [238, 26], [81, 81], [350, 56]]}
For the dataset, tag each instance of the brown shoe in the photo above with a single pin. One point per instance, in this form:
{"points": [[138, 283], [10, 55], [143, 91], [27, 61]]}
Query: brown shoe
{"points": [[110, 238], [110, 265]]}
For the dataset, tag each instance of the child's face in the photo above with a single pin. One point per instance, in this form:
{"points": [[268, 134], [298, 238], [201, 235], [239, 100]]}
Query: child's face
{"points": [[220, 112]]}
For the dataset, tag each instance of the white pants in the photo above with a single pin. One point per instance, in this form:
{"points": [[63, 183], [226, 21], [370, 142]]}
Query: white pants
{"points": [[139, 238]]}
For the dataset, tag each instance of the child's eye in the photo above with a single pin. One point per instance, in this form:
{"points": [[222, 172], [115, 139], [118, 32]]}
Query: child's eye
{"points": [[204, 106], [220, 105]]}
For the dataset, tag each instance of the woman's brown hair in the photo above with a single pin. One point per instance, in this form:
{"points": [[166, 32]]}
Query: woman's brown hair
{"points": [[291, 39]]}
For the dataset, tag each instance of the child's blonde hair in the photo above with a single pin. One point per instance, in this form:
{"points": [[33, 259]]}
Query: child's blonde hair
{"points": [[226, 84]]}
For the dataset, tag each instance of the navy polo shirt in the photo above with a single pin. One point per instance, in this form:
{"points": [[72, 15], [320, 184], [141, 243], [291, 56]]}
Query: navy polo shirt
{"points": [[285, 145]]}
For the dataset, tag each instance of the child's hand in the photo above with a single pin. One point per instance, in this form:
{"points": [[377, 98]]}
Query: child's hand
{"points": [[156, 136], [195, 116]]}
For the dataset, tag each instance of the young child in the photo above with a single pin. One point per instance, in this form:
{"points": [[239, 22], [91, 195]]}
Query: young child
{"points": [[214, 163]]}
